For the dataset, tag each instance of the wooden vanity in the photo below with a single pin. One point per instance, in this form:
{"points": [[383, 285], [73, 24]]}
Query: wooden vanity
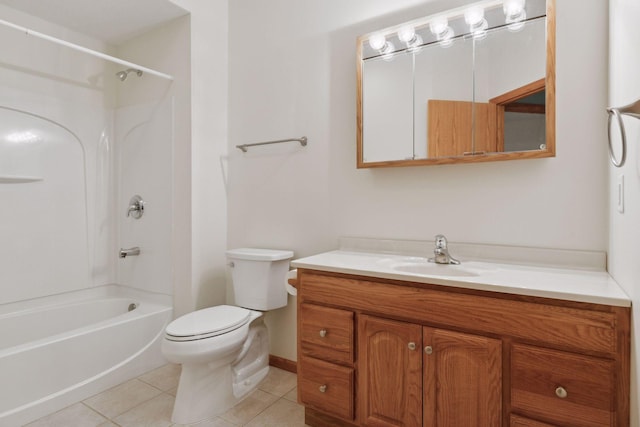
{"points": [[385, 352]]}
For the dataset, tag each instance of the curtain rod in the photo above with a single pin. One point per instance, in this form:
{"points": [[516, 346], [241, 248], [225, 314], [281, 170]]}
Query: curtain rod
{"points": [[79, 48]]}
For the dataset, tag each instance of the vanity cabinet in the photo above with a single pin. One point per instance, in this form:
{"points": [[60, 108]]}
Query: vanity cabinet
{"points": [[382, 352]]}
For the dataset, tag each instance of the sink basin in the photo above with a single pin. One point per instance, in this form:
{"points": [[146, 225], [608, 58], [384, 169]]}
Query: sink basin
{"points": [[432, 269], [420, 266]]}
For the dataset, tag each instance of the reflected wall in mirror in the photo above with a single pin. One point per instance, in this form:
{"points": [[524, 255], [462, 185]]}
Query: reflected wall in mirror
{"points": [[471, 84]]}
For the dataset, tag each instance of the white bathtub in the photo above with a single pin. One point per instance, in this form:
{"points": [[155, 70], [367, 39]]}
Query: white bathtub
{"points": [[58, 350]]}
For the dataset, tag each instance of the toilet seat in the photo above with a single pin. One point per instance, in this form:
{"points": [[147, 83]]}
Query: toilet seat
{"points": [[207, 323]]}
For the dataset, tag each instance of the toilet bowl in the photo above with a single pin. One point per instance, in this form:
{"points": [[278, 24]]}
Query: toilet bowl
{"points": [[224, 350]]}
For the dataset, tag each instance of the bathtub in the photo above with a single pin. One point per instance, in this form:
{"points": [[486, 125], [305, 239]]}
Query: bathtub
{"points": [[58, 350]]}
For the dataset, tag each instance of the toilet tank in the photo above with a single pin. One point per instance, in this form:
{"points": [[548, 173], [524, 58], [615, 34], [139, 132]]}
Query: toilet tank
{"points": [[259, 277]]}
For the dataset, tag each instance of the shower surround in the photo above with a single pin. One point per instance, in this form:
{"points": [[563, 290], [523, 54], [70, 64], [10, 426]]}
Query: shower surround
{"points": [[76, 142]]}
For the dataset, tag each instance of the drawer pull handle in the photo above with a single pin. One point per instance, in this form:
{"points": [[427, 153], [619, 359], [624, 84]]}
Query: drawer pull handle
{"points": [[561, 392], [323, 333], [323, 388], [412, 346], [428, 349]]}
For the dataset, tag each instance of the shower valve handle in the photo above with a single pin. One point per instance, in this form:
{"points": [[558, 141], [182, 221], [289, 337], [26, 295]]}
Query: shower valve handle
{"points": [[136, 207]]}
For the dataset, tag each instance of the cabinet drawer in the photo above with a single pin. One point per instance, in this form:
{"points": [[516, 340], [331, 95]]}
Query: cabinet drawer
{"points": [[564, 388], [326, 333], [326, 387]]}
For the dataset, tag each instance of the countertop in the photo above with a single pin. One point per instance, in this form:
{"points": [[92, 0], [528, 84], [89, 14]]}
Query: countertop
{"points": [[548, 282]]}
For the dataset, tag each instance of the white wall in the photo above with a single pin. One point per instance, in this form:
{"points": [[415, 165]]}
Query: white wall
{"points": [[292, 73], [624, 239], [205, 283]]}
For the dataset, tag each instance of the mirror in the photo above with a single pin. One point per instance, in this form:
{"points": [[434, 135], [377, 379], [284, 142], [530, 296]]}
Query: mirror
{"points": [[472, 84]]}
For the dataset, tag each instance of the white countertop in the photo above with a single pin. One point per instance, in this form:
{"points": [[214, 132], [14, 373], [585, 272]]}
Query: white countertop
{"points": [[548, 282]]}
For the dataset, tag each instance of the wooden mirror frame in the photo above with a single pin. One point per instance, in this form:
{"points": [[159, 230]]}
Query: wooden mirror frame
{"points": [[550, 113]]}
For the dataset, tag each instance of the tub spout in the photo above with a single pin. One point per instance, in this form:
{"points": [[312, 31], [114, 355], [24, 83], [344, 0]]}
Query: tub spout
{"points": [[135, 251]]}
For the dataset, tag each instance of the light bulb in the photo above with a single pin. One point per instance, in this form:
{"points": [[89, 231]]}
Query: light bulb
{"points": [[387, 49], [517, 23], [445, 39], [515, 14], [377, 41], [439, 25], [474, 16], [513, 8], [406, 34], [416, 44]]}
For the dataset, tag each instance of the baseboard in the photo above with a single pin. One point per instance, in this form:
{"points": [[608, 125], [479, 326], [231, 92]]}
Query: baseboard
{"points": [[282, 363]]}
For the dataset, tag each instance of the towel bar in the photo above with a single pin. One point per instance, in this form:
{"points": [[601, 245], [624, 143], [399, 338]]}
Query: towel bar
{"points": [[632, 110], [245, 147]]}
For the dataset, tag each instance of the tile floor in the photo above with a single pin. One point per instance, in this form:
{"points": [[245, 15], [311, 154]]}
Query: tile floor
{"points": [[147, 401]]}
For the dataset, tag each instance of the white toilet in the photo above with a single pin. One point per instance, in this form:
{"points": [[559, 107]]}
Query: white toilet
{"points": [[224, 350]]}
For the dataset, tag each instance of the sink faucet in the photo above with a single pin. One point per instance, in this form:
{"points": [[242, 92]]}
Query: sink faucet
{"points": [[442, 253]]}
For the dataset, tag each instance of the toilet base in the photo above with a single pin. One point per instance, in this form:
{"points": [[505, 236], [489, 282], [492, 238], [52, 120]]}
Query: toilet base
{"points": [[196, 382], [212, 388]]}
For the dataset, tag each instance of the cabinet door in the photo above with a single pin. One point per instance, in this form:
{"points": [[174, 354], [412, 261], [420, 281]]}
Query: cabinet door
{"points": [[389, 372], [462, 379]]}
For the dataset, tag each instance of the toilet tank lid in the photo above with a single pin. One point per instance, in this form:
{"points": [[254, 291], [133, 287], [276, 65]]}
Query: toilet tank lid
{"points": [[254, 254]]}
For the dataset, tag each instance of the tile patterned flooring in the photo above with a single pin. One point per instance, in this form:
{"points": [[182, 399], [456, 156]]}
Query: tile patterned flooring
{"points": [[147, 401]]}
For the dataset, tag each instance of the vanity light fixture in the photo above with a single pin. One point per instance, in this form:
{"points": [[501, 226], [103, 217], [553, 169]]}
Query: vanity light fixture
{"points": [[407, 35], [379, 42], [474, 17], [514, 14], [440, 28]]}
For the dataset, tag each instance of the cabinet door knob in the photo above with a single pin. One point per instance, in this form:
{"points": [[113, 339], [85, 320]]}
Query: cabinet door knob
{"points": [[323, 388], [561, 392], [412, 346], [323, 333], [428, 349]]}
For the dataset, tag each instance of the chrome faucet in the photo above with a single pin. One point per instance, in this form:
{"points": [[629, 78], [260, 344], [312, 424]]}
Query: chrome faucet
{"points": [[442, 253], [135, 251]]}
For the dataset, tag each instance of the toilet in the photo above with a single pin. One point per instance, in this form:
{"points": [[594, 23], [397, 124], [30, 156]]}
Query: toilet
{"points": [[224, 350]]}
